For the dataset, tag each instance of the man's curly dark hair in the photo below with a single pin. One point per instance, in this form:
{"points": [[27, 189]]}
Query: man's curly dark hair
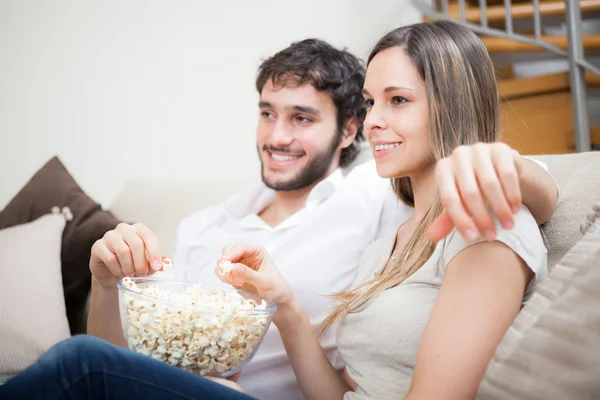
{"points": [[335, 72]]}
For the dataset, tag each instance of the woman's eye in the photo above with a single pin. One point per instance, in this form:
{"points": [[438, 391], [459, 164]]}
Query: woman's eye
{"points": [[398, 100], [369, 103]]}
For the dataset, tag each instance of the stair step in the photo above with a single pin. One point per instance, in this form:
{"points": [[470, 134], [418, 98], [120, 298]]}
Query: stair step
{"points": [[594, 138], [503, 45], [533, 85], [595, 134], [497, 13]]}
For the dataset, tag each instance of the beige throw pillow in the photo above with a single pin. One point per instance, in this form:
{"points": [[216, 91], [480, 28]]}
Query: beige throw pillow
{"points": [[552, 350], [32, 305]]}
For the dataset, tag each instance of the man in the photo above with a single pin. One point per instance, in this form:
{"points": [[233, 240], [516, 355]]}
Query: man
{"points": [[314, 220]]}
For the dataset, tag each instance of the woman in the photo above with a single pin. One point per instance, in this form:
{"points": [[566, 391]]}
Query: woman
{"points": [[428, 319], [426, 322]]}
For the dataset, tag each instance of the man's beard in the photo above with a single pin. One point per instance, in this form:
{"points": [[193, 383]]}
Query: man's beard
{"points": [[316, 170]]}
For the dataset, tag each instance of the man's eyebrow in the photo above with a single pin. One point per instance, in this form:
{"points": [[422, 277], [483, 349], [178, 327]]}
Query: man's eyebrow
{"points": [[306, 109]]}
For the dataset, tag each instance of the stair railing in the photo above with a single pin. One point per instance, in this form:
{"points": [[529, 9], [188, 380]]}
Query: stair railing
{"points": [[574, 52]]}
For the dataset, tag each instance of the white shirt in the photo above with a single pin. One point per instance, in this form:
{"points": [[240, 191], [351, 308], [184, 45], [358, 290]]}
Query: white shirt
{"points": [[317, 250]]}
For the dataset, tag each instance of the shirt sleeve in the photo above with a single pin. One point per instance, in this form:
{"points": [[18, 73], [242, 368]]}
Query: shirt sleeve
{"points": [[525, 239], [545, 166]]}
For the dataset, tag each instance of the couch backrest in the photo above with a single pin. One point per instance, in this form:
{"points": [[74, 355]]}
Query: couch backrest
{"points": [[578, 176], [162, 203]]}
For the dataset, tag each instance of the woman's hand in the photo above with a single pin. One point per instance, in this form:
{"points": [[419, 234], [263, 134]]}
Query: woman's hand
{"points": [[255, 272]]}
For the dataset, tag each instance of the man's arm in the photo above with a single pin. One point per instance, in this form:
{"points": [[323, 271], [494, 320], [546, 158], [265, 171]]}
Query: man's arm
{"points": [[539, 190], [104, 319], [478, 182], [127, 250]]}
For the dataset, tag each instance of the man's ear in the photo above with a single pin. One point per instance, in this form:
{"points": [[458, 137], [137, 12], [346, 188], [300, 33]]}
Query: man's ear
{"points": [[349, 132]]}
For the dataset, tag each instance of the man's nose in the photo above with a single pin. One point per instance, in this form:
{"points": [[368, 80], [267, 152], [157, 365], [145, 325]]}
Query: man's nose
{"points": [[281, 134]]}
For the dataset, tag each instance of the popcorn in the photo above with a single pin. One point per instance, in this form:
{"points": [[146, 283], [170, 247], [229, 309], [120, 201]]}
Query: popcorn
{"points": [[200, 330], [167, 264], [225, 267]]}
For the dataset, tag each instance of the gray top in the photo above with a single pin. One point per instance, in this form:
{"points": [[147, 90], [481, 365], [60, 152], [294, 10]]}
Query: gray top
{"points": [[379, 340]]}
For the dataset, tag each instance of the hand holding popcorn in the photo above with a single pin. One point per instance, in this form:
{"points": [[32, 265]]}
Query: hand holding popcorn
{"points": [[128, 250], [249, 267]]}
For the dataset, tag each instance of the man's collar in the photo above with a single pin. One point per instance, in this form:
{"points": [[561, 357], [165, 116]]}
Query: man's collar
{"points": [[254, 200]]}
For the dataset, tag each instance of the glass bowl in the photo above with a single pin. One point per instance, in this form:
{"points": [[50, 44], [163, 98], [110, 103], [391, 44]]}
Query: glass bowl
{"points": [[207, 329]]}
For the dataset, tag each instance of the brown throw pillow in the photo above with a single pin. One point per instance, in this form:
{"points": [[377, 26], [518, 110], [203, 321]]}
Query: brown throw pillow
{"points": [[53, 186]]}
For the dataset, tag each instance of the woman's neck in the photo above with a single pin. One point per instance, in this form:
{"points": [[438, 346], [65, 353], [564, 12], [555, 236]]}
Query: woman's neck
{"points": [[424, 192]]}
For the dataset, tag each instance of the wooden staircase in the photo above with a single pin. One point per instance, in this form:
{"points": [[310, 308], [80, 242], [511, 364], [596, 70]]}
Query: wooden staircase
{"points": [[537, 114], [497, 13]]}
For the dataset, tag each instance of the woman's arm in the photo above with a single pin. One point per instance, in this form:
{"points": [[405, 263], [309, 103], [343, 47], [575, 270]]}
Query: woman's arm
{"points": [[318, 379], [479, 298], [254, 271]]}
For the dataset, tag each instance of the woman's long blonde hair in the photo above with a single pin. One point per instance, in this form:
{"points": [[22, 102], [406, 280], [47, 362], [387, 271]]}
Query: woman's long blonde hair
{"points": [[463, 109]]}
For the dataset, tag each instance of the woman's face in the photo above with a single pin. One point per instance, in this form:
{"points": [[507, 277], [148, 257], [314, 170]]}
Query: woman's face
{"points": [[397, 121]]}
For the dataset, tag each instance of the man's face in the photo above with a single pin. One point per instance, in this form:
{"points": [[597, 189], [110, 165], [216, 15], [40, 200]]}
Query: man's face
{"points": [[297, 138]]}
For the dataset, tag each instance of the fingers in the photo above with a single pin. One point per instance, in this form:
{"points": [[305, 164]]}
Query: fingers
{"points": [[491, 187], [115, 243], [137, 251], [243, 275], [451, 200], [128, 250], [107, 257], [249, 254], [468, 187], [504, 159], [440, 228], [153, 254]]}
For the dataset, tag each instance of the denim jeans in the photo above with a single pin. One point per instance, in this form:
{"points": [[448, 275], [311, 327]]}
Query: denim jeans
{"points": [[84, 367]]}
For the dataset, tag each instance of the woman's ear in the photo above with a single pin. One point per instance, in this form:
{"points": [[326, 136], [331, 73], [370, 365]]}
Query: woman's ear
{"points": [[350, 130]]}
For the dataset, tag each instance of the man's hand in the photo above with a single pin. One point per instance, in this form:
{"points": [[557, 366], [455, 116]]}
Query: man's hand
{"points": [[128, 250], [475, 183]]}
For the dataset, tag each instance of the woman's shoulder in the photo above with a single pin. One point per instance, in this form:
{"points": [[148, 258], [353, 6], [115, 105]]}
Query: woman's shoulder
{"points": [[524, 238]]}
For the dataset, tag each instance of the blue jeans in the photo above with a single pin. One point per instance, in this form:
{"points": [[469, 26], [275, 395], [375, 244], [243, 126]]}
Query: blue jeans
{"points": [[84, 367]]}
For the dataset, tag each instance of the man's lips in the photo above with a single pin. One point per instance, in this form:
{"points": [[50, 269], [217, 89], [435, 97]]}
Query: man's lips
{"points": [[283, 158]]}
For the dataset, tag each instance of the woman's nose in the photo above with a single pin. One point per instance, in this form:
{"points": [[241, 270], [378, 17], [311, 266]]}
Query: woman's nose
{"points": [[375, 119]]}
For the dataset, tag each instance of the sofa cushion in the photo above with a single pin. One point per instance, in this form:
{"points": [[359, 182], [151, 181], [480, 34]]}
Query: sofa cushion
{"points": [[32, 307], [552, 350], [578, 177], [53, 186]]}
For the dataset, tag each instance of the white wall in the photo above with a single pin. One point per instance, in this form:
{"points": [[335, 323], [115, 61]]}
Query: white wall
{"points": [[139, 88]]}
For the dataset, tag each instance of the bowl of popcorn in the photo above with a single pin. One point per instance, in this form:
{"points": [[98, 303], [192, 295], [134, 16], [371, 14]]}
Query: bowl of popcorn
{"points": [[207, 329]]}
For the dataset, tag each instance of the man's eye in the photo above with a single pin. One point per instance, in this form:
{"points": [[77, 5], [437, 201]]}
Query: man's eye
{"points": [[398, 100], [303, 119], [266, 114], [369, 103]]}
